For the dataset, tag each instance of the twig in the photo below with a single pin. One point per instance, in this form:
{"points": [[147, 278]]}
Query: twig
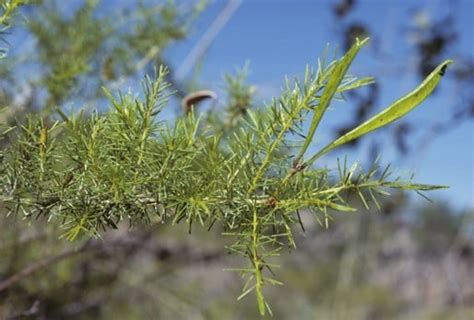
{"points": [[162, 252], [41, 264], [203, 44], [152, 53]]}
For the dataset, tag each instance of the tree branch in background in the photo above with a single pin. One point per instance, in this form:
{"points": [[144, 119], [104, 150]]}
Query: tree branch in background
{"points": [[203, 44], [39, 265]]}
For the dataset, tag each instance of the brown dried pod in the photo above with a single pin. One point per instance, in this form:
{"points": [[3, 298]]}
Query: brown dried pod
{"points": [[194, 98]]}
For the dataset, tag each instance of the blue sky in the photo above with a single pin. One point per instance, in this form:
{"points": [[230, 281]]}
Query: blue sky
{"points": [[280, 37]]}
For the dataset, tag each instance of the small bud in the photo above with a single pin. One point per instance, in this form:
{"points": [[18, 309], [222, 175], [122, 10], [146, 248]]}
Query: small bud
{"points": [[297, 167], [271, 202]]}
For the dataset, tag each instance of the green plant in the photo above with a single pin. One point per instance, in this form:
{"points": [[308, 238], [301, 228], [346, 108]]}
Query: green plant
{"points": [[91, 172], [8, 9]]}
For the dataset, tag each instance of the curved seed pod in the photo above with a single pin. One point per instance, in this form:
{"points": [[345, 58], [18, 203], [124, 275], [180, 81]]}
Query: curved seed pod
{"points": [[194, 98], [394, 112]]}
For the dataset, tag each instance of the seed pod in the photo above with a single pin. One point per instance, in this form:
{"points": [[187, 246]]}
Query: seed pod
{"points": [[394, 112], [194, 98]]}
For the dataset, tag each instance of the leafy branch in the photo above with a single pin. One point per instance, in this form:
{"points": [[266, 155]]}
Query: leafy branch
{"points": [[92, 172], [8, 9]]}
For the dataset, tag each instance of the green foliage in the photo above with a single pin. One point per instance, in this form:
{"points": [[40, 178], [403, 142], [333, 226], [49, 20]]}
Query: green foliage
{"points": [[68, 46], [84, 51], [8, 9], [92, 172], [240, 95]]}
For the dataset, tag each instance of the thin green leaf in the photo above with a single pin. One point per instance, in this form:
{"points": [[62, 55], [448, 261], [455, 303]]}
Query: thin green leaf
{"points": [[415, 186], [340, 207]]}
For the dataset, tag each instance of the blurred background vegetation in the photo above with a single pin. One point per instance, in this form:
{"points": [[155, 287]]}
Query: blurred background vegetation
{"points": [[408, 260]]}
